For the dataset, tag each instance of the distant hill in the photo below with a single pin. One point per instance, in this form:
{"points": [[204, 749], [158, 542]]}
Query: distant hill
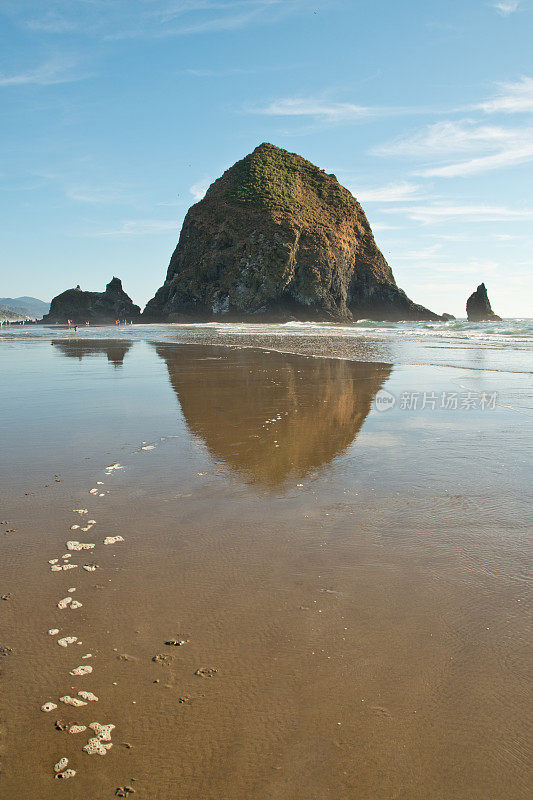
{"points": [[25, 306], [12, 316]]}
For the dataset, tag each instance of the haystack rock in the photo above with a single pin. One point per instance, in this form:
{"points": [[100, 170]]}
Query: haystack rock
{"points": [[94, 307], [276, 238], [478, 308]]}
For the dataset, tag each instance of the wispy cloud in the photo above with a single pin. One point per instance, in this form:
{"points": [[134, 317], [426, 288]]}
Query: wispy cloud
{"points": [[519, 151], [511, 98], [59, 70], [97, 195], [140, 227], [444, 212], [51, 25], [446, 137], [124, 19], [72, 183], [384, 226], [492, 147], [506, 7], [225, 72], [438, 262], [422, 255], [390, 193], [319, 109], [199, 189]]}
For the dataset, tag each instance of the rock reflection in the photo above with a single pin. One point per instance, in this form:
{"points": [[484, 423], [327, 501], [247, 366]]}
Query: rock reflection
{"points": [[271, 415], [81, 348]]}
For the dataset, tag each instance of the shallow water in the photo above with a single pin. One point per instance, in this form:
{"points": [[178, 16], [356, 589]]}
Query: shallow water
{"points": [[358, 577], [505, 346]]}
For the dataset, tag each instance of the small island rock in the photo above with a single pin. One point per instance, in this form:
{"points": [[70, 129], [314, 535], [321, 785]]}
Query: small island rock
{"points": [[478, 308], [95, 307]]}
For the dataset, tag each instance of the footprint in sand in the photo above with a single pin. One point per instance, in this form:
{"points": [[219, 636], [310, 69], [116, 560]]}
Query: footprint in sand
{"points": [[96, 747], [113, 539], [89, 696], [68, 773], [85, 669], [72, 701], [66, 640], [101, 743], [75, 545], [206, 672], [77, 728], [112, 467]]}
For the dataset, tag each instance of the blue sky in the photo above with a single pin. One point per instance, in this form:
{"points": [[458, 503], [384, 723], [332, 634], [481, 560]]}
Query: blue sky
{"points": [[117, 114]]}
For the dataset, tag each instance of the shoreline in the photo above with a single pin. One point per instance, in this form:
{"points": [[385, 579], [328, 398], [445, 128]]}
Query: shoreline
{"points": [[287, 569]]}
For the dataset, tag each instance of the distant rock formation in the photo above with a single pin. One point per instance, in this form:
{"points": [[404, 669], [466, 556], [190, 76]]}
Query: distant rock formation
{"points": [[94, 307], [478, 308], [447, 317], [276, 238]]}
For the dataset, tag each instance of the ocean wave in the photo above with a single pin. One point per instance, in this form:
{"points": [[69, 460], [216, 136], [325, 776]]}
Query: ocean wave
{"points": [[503, 345]]}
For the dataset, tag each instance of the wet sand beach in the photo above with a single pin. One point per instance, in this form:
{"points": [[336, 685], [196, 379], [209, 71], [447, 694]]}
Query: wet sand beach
{"points": [[301, 595]]}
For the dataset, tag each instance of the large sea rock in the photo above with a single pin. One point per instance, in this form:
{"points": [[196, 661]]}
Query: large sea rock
{"points": [[478, 308], [276, 238], [95, 307]]}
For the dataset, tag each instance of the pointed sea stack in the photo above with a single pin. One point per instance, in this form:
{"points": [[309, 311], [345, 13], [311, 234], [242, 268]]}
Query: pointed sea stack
{"points": [[98, 308], [276, 238], [478, 308]]}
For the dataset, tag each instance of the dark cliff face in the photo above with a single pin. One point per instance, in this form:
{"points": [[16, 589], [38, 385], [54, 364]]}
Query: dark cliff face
{"points": [[478, 308], [94, 307], [277, 238]]}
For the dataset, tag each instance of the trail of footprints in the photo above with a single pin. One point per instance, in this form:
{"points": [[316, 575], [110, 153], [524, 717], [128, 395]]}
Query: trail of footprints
{"points": [[99, 741]]}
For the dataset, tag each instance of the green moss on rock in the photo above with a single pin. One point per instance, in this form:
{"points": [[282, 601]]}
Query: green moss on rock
{"points": [[276, 179]]}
